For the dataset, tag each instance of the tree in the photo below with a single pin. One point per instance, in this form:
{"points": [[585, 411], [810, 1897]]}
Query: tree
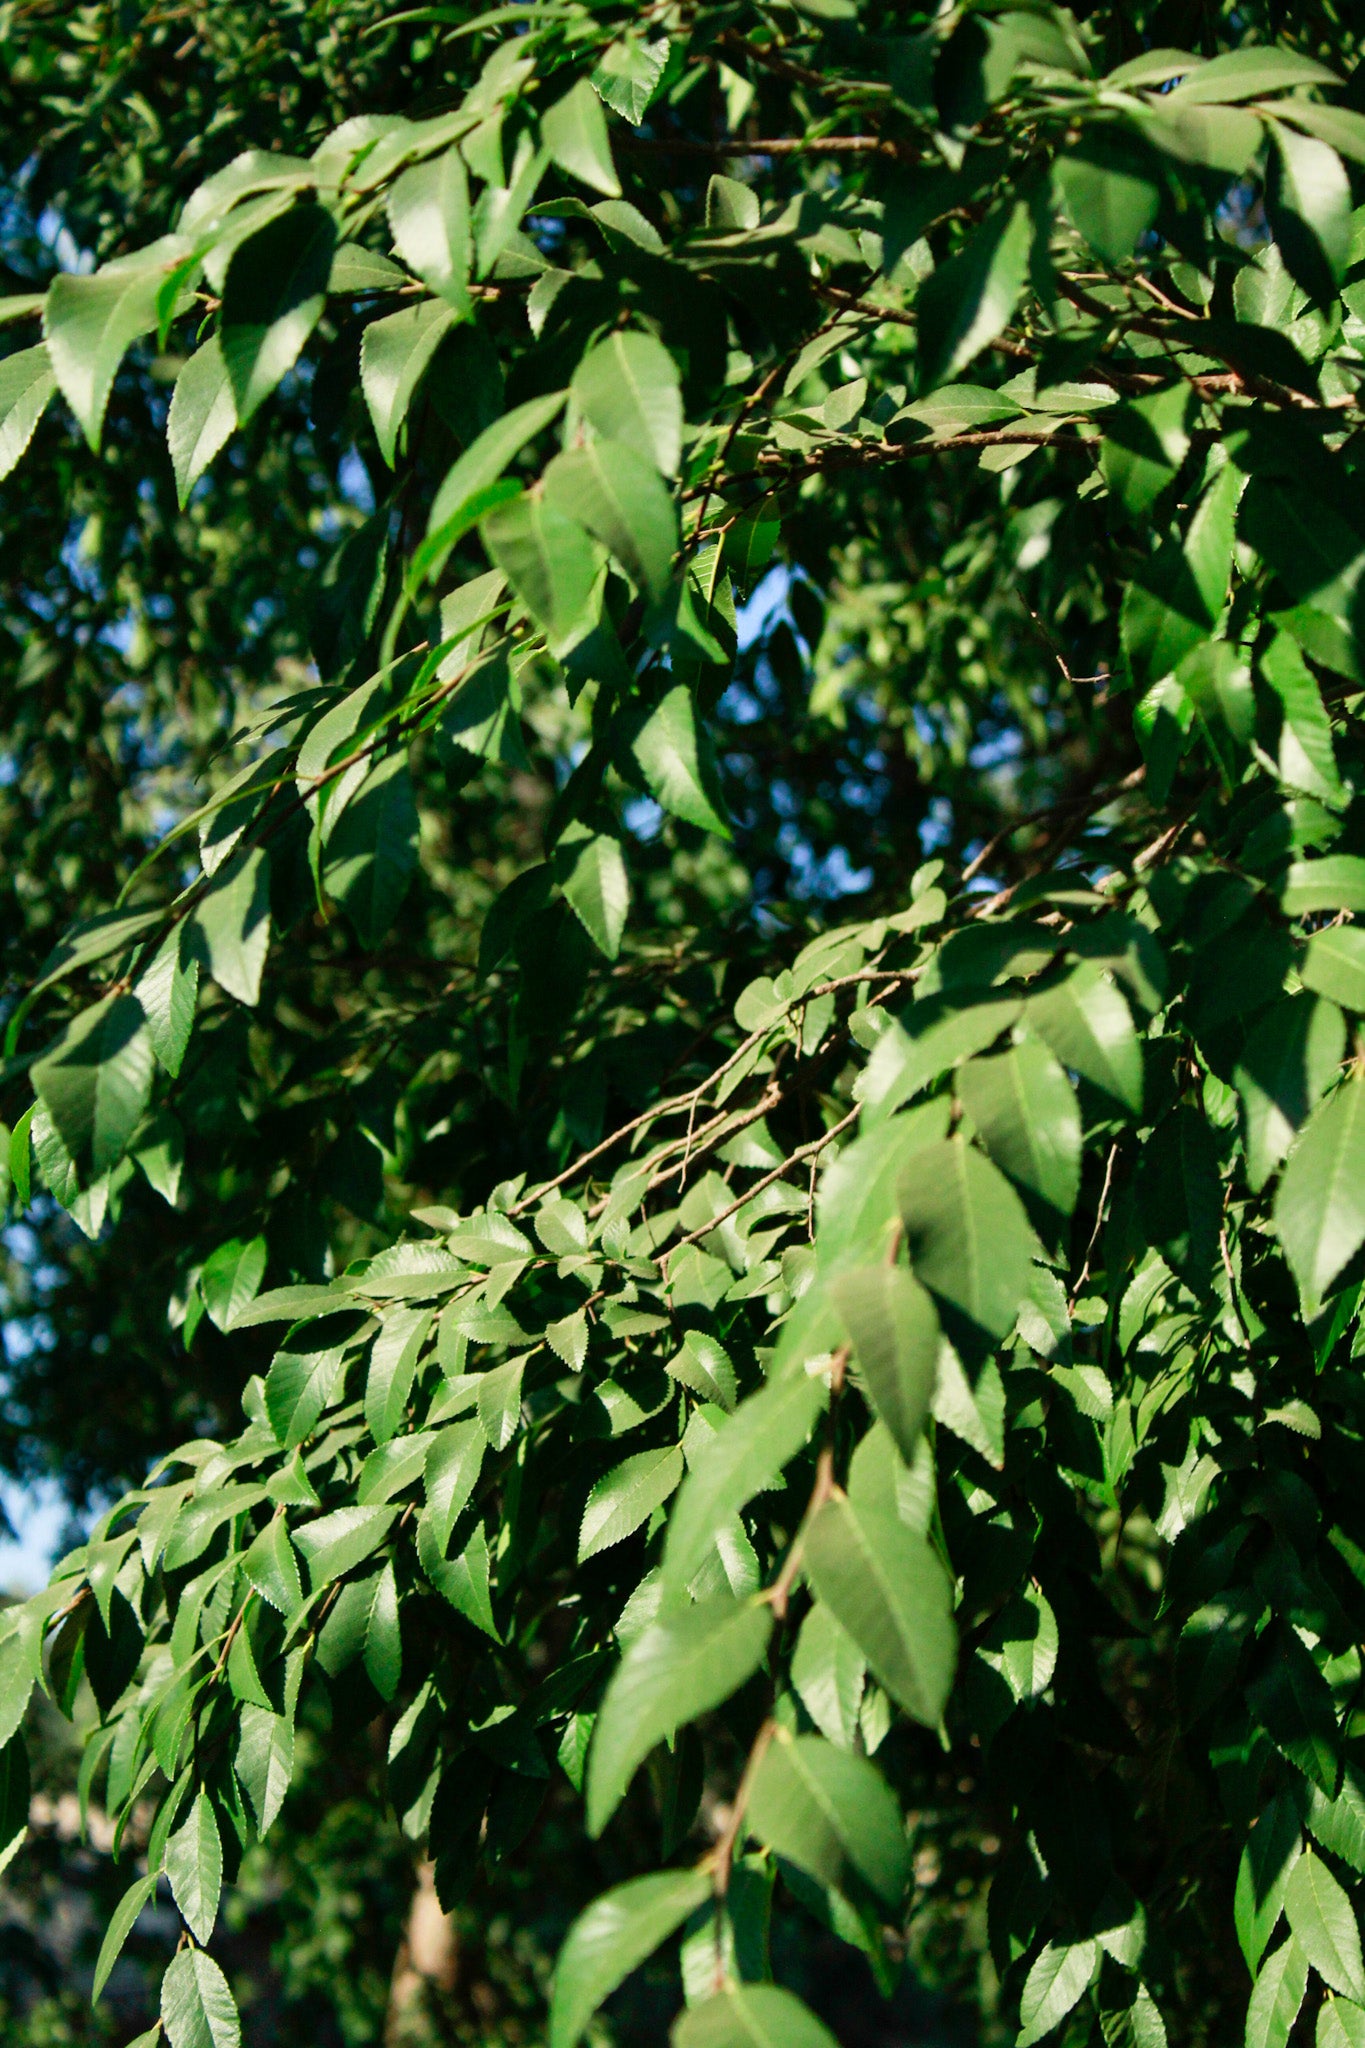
{"points": [[975, 1279]]}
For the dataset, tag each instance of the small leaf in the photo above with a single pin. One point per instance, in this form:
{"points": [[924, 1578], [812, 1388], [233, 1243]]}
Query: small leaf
{"points": [[97, 1080], [336, 1543], [272, 1568], [265, 1762], [1028, 1119], [1090, 1028], [1055, 1984], [830, 1812], [370, 851], [895, 1333], [885, 1586], [89, 323], [1288, 1063], [14, 1798], [429, 215], [1308, 204], [453, 1464], [122, 1921], [626, 1497], [197, 2008], [705, 1367], [394, 356], [1323, 1924], [613, 1937], [828, 1671], [971, 298], [26, 386], [745, 1455], [574, 131], [273, 298], [968, 1233], [731, 208], [674, 752], [678, 1668], [751, 2016], [1320, 1203], [167, 991], [203, 415], [549, 561], [1334, 965], [194, 1865], [230, 928], [1277, 1997], [618, 495], [592, 873], [463, 497], [628, 388]]}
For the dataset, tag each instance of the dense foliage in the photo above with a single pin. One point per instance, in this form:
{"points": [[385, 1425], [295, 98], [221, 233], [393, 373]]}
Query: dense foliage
{"points": [[750, 1408]]}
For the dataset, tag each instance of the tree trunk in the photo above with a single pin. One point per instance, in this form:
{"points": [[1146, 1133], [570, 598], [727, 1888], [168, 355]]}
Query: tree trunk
{"points": [[425, 1969]]}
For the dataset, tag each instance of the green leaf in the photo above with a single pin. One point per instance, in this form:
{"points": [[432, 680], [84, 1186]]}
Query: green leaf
{"points": [[1107, 186], [1292, 1701], [1145, 442], [429, 215], [1336, 882], [970, 299], [370, 851], [1028, 1119], [895, 1332], [273, 298], [744, 1456], [828, 1672], [574, 131], [628, 75], [626, 1497], [336, 1543], [628, 388], [1306, 757], [265, 1762], [856, 1204], [751, 2016], [1056, 1983], [886, 1588], [453, 1464], [1340, 2025], [677, 1669], [89, 323], [674, 753], [969, 1236], [1288, 1063], [1320, 1204], [1323, 1924], [97, 1080], [1088, 1025], [230, 928], [197, 2008], [26, 386], [592, 874], [14, 1799], [122, 1921], [1251, 74], [1308, 203], [464, 1580], [167, 992], [617, 494], [500, 1403], [383, 1636], [613, 1937], [1277, 1997], [1021, 1645], [830, 1813], [462, 498], [394, 356], [549, 561], [194, 1865], [931, 1037], [203, 415], [1339, 1824], [705, 1367], [272, 1568], [1272, 1849], [731, 208], [393, 1368], [1334, 965]]}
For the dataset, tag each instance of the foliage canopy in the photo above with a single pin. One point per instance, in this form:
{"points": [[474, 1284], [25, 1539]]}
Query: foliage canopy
{"points": [[840, 1374]]}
